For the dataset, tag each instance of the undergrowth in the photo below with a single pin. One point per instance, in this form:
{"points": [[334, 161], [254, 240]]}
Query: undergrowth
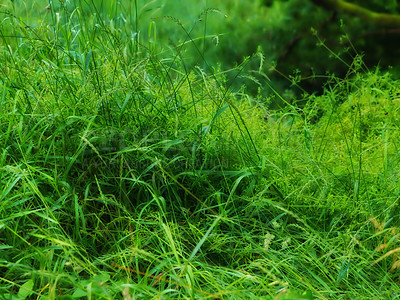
{"points": [[127, 175]]}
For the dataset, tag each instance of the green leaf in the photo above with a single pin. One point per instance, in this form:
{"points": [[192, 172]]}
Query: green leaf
{"points": [[87, 62], [198, 246], [26, 289], [127, 98], [219, 112], [79, 293]]}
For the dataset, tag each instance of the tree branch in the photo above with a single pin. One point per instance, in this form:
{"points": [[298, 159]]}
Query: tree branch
{"points": [[379, 19]]}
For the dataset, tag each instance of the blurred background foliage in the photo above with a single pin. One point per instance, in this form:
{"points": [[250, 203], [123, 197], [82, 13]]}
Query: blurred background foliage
{"points": [[290, 46], [282, 31]]}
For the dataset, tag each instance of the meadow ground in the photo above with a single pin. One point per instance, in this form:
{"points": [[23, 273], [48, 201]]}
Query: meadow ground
{"points": [[125, 174]]}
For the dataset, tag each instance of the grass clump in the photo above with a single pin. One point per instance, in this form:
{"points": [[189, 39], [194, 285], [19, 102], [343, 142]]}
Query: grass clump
{"points": [[124, 174]]}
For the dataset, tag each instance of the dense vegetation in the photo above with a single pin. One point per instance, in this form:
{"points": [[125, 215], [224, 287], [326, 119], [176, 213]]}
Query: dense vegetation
{"points": [[135, 165]]}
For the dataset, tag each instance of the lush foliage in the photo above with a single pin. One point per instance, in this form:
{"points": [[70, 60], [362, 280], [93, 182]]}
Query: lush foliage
{"points": [[292, 35], [129, 171]]}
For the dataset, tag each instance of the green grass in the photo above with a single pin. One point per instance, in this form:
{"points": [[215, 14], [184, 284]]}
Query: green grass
{"points": [[126, 174]]}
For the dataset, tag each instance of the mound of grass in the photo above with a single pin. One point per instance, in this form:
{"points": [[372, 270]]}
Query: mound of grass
{"points": [[124, 175]]}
